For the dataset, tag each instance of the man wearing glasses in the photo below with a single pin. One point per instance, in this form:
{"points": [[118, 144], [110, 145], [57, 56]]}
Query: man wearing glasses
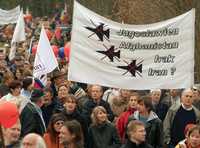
{"points": [[178, 116]]}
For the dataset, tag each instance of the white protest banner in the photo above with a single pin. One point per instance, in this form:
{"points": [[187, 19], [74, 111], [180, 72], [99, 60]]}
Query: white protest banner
{"points": [[45, 60], [9, 16], [18, 35], [159, 55]]}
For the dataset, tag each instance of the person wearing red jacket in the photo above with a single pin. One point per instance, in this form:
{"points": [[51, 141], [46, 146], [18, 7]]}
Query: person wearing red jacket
{"points": [[123, 118]]}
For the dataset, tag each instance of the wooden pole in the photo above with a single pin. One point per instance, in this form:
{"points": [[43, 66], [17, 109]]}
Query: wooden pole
{"points": [[2, 138]]}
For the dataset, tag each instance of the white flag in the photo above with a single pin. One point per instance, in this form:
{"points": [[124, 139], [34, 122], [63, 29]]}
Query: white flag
{"points": [[18, 35], [45, 60], [159, 55]]}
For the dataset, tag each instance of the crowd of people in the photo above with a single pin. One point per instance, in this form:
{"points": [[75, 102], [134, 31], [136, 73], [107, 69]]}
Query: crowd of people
{"points": [[66, 114]]}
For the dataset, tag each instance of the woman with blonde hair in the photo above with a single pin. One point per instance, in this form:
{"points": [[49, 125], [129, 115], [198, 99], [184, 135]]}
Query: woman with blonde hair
{"points": [[103, 134]]}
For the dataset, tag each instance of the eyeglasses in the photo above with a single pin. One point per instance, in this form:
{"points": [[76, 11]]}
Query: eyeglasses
{"points": [[188, 96], [59, 123]]}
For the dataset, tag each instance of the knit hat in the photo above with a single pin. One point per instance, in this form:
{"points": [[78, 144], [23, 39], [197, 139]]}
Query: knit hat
{"points": [[57, 117], [36, 94]]}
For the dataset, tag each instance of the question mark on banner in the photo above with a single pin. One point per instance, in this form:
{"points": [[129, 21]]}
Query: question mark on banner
{"points": [[173, 69]]}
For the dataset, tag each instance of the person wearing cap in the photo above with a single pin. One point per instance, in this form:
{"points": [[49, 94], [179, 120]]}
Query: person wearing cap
{"points": [[178, 116], [31, 116], [57, 79], [51, 136]]}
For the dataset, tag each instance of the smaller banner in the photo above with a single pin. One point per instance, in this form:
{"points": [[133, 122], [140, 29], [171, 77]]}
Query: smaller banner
{"points": [[9, 16]]}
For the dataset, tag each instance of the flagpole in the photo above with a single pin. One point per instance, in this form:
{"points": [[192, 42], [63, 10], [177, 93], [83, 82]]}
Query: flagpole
{"points": [[2, 137]]}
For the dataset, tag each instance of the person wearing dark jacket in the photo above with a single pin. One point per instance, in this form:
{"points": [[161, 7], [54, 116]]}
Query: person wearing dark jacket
{"points": [[31, 116], [50, 105], [153, 125], [158, 106], [96, 92], [71, 112], [136, 135], [102, 133]]}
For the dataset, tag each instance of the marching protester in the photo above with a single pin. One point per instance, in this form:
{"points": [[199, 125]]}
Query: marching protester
{"points": [[153, 125], [51, 137], [31, 117], [158, 106], [71, 135], [96, 92], [136, 135], [12, 136], [122, 121], [101, 132], [33, 140], [178, 116], [50, 105], [71, 112], [192, 137], [82, 108]]}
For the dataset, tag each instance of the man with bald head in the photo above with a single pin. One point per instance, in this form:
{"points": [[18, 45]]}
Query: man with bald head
{"points": [[178, 116], [33, 140]]}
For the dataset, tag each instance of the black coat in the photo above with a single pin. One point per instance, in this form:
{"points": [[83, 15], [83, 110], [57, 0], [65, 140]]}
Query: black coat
{"points": [[47, 111], [130, 144], [90, 105], [31, 121], [78, 117], [161, 110], [104, 136]]}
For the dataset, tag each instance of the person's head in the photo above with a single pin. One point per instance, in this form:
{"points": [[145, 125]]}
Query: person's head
{"points": [[133, 101], [56, 122], [19, 61], [70, 103], [58, 77], [27, 84], [193, 137], [187, 128], [12, 134], [96, 92], [71, 133], [63, 91], [155, 95], [99, 115], [48, 81], [48, 96], [136, 131], [37, 96], [187, 98], [145, 104], [33, 140], [125, 93], [196, 92], [174, 92], [19, 74], [8, 77], [15, 87]]}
